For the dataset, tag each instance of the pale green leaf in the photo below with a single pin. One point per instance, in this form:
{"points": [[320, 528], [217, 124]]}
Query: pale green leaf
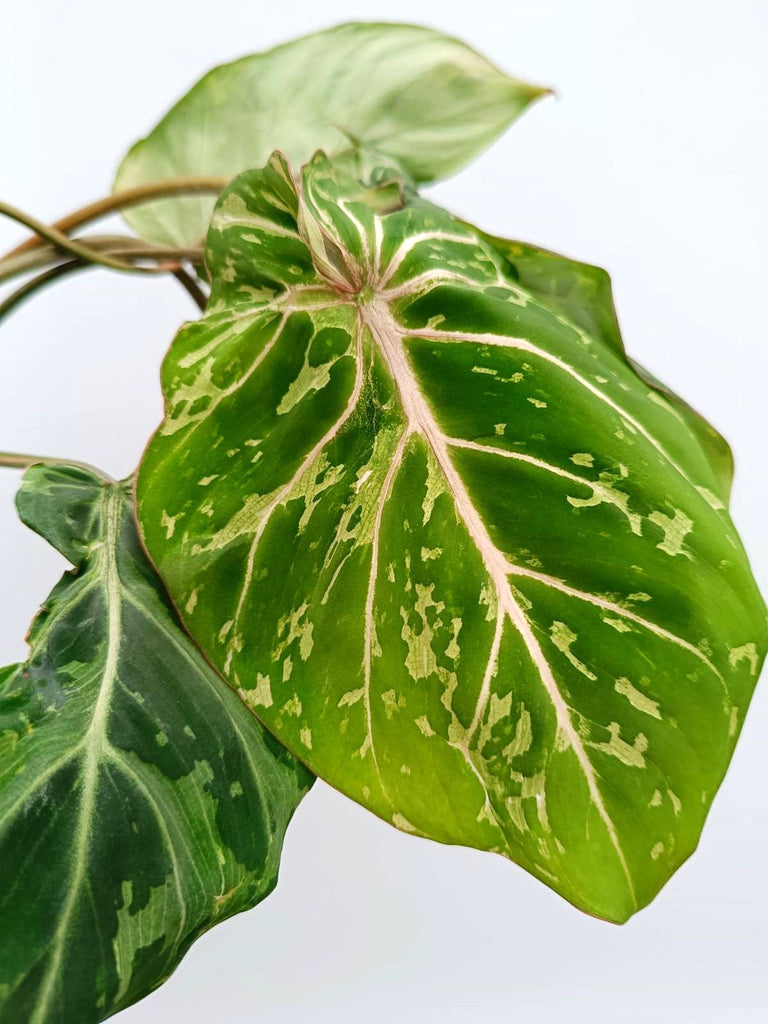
{"points": [[140, 802], [446, 542], [426, 99]]}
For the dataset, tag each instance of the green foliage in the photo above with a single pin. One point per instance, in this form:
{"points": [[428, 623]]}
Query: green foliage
{"points": [[418, 508], [464, 558], [140, 802], [582, 293], [426, 99]]}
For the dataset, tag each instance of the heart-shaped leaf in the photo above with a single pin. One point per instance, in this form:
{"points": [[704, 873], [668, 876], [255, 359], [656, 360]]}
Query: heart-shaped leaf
{"points": [[140, 802], [427, 100], [420, 510]]}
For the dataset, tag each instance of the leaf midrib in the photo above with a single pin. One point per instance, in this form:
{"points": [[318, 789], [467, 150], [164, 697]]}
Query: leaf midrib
{"points": [[94, 741], [389, 336]]}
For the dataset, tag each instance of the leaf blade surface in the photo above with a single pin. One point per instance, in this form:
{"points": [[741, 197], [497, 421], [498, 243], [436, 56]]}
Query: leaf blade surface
{"points": [[424, 98], [447, 546], [139, 802]]}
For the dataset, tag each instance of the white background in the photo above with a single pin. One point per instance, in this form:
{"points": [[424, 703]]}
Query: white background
{"points": [[652, 163]]}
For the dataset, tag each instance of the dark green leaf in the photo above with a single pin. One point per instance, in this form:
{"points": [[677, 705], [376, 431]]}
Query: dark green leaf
{"points": [[140, 802]]}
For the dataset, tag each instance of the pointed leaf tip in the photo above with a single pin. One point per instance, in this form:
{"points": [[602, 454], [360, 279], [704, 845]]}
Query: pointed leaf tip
{"points": [[426, 99]]}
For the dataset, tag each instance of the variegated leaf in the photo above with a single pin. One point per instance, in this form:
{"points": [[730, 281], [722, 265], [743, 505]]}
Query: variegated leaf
{"points": [[582, 293], [140, 802], [419, 509], [426, 99]]}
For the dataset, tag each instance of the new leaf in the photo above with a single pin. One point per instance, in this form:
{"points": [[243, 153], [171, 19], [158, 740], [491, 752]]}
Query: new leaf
{"points": [[426, 99]]}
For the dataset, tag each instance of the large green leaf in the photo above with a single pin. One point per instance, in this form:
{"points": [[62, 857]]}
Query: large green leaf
{"points": [[140, 802], [426, 99], [446, 542]]}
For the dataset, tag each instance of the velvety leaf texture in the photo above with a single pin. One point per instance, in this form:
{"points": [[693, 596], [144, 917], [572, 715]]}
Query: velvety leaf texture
{"points": [[419, 509], [140, 802], [429, 101]]}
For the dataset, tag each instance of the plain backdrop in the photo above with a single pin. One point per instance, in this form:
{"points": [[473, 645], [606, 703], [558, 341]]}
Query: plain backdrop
{"points": [[652, 162]]}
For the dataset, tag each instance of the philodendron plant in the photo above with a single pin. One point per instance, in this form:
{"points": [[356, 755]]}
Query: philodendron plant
{"points": [[413, 522]]}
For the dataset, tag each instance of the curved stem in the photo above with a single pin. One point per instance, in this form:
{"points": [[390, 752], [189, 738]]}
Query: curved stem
{"points": [[188, 282], [113, 245], [14, 460], [36, 283], [99, 251], [126, 198], [53, 273], [66, 244], [127, 245], [31, 261]]}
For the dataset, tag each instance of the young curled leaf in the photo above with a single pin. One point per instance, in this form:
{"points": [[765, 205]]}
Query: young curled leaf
{"points": [[140, 802], [459, 556]]}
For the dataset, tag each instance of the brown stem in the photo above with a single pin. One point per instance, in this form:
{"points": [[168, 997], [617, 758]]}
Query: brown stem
{"points": [[15, 460], [188, 282], [113, 245], [33, 285], [36, 283], [126, 198]]}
